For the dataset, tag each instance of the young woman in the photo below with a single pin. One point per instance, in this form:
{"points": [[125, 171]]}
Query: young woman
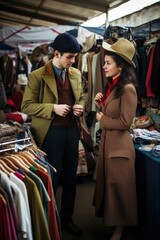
{"points": [[115, 192]]}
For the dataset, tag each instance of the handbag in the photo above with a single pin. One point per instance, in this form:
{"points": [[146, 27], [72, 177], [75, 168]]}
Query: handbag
{"points": [[87, 142], [85, 137]]}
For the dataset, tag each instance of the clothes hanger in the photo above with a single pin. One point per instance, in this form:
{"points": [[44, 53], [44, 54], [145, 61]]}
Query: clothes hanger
{"points": [[30, 158], [34, 153], [3, 169], [18, 162], [39, 150], [32, 150], [24, 159], [9, 163], [8, 169]]}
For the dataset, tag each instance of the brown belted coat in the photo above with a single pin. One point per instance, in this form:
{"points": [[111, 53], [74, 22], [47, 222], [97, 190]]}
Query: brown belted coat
{"points": [[115, 192]]}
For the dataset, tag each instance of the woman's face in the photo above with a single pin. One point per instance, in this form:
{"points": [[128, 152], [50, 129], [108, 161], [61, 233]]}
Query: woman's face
{"points": [[110, 67]]}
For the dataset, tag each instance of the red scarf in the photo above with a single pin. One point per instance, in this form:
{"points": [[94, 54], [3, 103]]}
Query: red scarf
{"points": [[111, 86]]}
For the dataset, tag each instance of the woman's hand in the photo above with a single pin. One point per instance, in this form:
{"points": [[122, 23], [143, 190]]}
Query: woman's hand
{"points": [[98, 99], [99, 115]]}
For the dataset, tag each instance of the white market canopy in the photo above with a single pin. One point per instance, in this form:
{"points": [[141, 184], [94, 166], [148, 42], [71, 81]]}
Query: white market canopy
{"points": [[27, 38]]}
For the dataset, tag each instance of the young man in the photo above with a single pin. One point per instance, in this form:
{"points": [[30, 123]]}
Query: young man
{"points": [[54, 101]]}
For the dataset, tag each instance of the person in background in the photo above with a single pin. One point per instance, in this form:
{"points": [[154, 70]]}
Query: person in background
{"points": [[3, 100], [54, 98], [13, 105], [6, 71], [21, 64], [18, 91], [115, 191]]}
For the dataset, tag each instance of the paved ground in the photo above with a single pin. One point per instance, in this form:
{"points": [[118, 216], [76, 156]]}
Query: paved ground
{"points": [[84, 213]]}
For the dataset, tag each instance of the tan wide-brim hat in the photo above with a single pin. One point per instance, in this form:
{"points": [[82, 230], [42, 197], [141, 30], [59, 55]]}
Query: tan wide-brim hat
{"points": [[123, 48], [89, 43]]}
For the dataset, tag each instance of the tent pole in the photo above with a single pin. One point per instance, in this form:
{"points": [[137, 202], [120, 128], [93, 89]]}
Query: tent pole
{"points": [[106, 22], [20, 30]]}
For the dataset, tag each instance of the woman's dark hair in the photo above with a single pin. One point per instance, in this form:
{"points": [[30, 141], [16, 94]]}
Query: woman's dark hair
{"points": [[128, 74]]}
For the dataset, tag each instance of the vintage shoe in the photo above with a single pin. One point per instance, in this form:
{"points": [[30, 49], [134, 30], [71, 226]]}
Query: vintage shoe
{"points": [[72, 228]]}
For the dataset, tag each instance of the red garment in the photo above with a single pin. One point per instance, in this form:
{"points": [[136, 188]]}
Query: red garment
{"points": [[150, 93], [52, 220], [111, 86], [5, 231], [17, 99], [15, 117], [11, 227]]}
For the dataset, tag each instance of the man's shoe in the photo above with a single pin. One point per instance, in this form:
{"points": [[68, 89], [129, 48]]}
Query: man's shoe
{"points": [[72, 229]]}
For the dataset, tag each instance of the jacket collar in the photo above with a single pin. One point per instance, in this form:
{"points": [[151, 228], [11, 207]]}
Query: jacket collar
{"points": [[110, 97], [49, 69], [49, 77]]}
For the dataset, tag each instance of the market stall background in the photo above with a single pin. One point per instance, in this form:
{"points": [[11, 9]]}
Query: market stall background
{"points": [[49, 12]]}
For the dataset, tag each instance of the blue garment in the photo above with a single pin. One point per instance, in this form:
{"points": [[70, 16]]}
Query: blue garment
{"points": [[58, 71]]}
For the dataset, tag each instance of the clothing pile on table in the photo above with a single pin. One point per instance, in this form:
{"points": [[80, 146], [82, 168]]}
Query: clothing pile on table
{"points": [[148, 140], [145, 136], [156, 151]]}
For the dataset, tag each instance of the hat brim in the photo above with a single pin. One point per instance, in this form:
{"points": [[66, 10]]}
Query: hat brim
{"points": [[88, 44], [23, 83], [108, 47]]}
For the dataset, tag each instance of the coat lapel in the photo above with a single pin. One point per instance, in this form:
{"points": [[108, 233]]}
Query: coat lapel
{"points": [[49, 78], [110, 98], [73, 78]]}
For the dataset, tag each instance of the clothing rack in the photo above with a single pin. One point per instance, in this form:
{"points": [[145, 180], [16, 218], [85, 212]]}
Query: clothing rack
{"points": [[118, 31], [46, 212], [14, 141], [13, 148]]}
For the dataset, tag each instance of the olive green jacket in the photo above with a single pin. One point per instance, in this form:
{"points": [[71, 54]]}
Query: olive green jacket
{"points": [[40, 95]]}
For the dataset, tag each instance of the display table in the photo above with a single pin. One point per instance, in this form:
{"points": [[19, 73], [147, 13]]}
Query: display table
{"points": [[148, 194]]}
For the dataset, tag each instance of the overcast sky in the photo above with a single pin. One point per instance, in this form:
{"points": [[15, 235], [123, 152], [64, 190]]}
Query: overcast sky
{"points": [[125, 9]]}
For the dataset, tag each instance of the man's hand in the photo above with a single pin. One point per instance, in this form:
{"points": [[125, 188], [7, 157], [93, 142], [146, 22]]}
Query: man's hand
{"points": [[77, 110], [61, 109]]}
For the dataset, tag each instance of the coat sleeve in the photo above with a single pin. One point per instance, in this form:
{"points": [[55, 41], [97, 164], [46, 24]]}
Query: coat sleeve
{"points": [[31, 103], [128, 105], [76, 83]]}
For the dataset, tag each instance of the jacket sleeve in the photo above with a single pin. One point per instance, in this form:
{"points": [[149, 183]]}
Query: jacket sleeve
{"points": [[128, 105], [32, 104], [81, 100], [76, 83]]}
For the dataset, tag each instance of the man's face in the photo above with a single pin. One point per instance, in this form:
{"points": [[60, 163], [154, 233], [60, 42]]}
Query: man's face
{"points": [[65, 60]]}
